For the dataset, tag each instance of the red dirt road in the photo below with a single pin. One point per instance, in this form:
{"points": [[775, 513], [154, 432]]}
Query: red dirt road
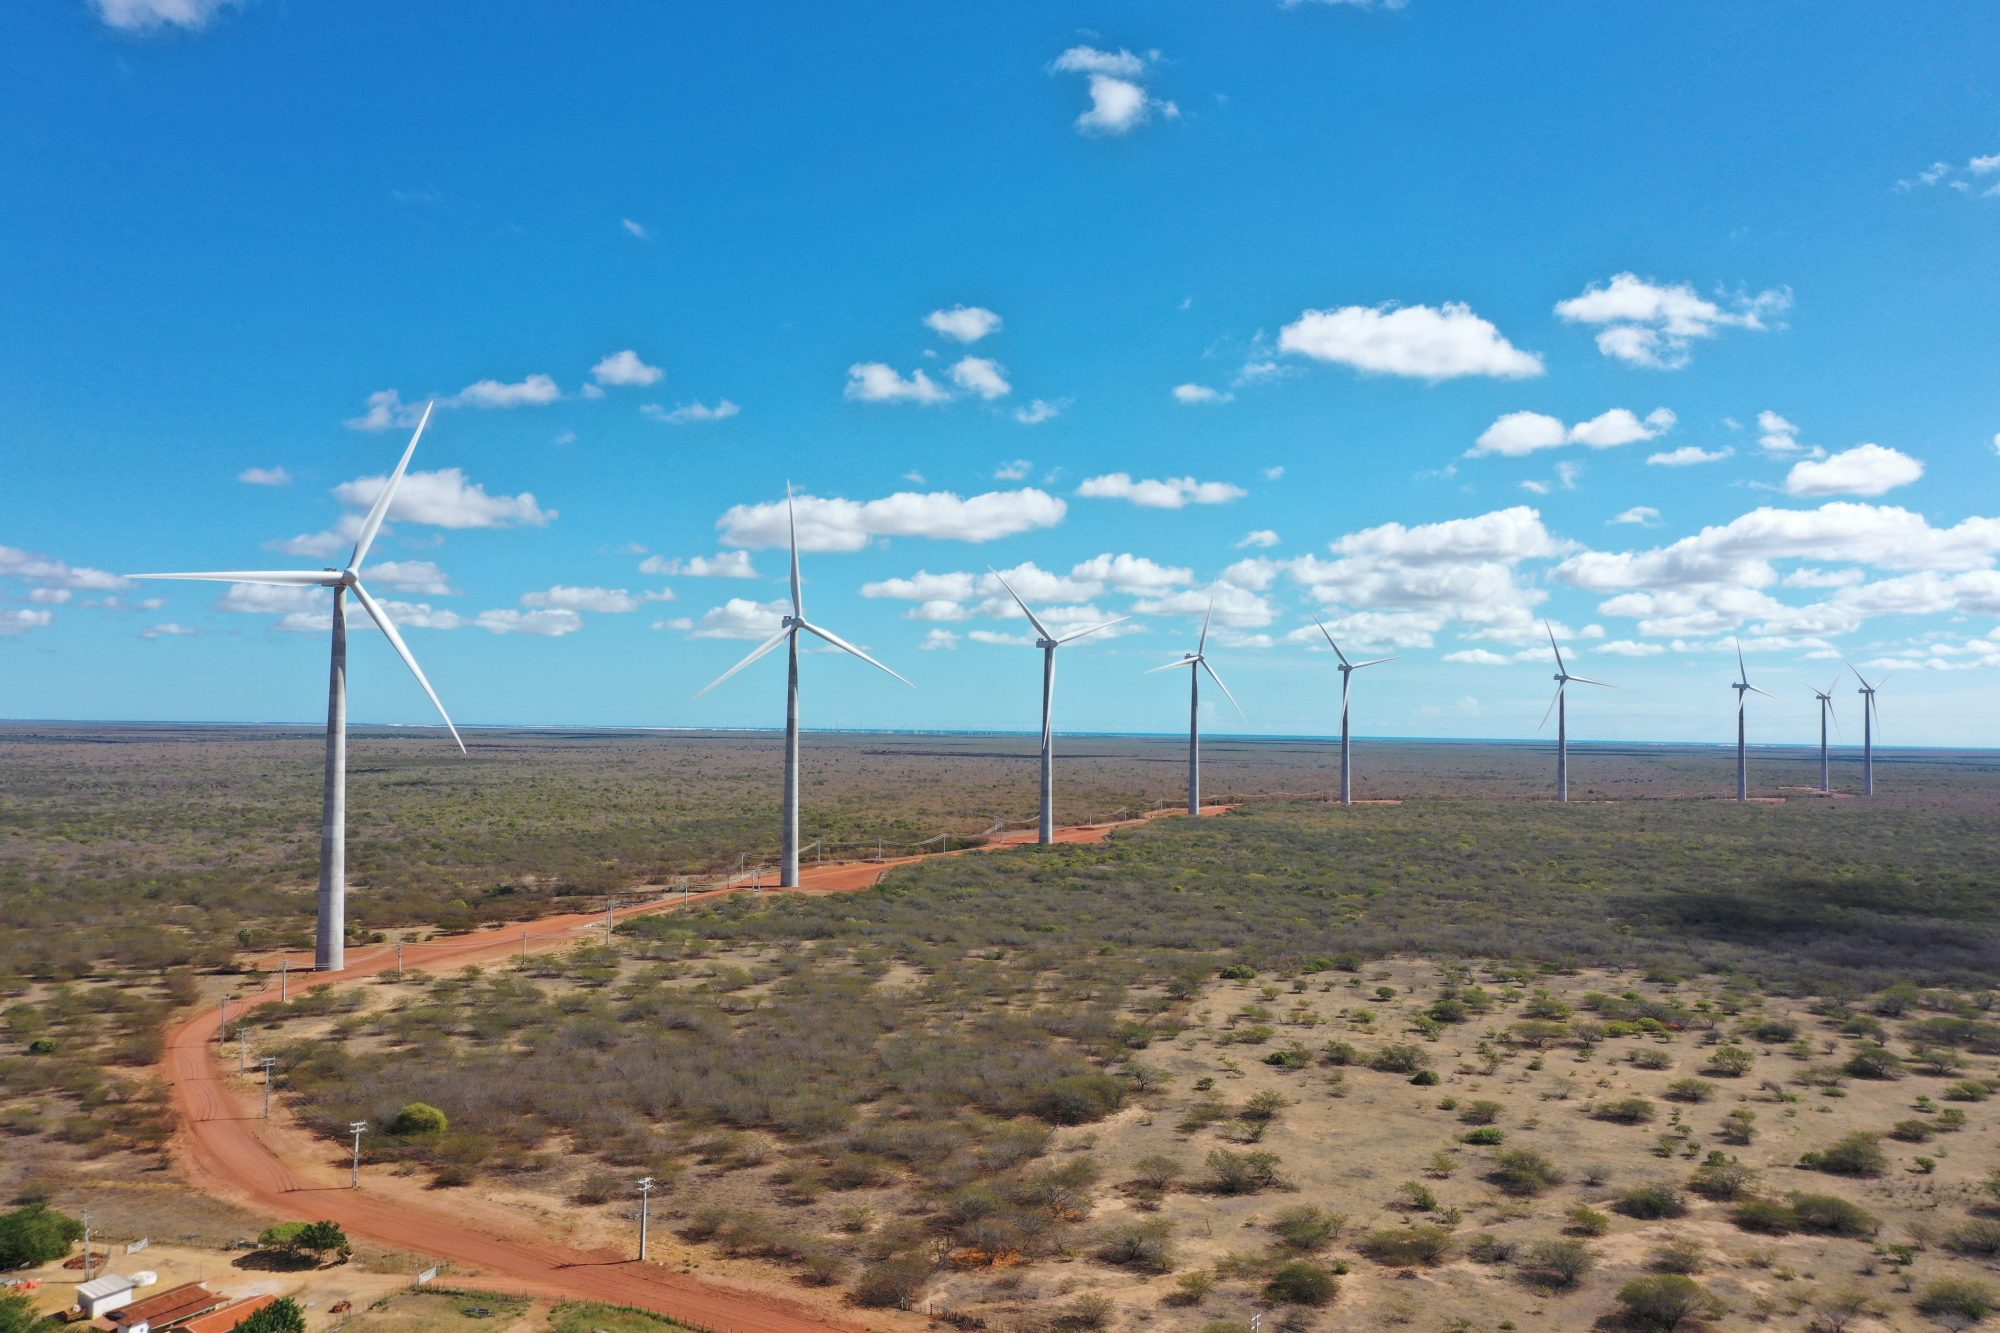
{"points": [[225, 1148]]}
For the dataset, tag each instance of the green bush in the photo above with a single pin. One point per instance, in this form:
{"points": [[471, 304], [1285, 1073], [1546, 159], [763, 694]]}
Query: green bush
{"points": [[1831, 1216], [1958, 1299], [281, 1316], [1650, 1203], [419, 1120], [1079, 1099], [1522, 1171], [1624, 1111], [1766, 1217], [1400, 1059], [1405, 1247], [1242, 1172], [1144, 1246], [35, 1235], [1980, 1236], [1302, 1282], [1667, 1301], [1689, 1090], [1558, 1263], [1729, 1062], [893, 1283], [1307, 1227], [1856, 1155], [1481, 1112], [1874, 1061], [1721, 1178], [1485, 1135]]}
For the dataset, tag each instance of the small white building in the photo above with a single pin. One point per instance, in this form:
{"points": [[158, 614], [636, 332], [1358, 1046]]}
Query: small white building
{"points": [[102, 1295]]}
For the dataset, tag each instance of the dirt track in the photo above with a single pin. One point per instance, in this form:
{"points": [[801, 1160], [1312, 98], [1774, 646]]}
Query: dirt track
{"points": [[225, 1148]]}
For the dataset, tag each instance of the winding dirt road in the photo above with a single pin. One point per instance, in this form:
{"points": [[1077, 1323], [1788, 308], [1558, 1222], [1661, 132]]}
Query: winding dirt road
{"points": [[225, 1148]]}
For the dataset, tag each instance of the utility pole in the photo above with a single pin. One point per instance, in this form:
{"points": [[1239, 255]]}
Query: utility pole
{"points": [[645, 1211], [610, 920], [242, 1046], [86, 1245], [267, 1062], [524, 948], [284, 980], [399, 960], [357, 1129], [222, 1005]]}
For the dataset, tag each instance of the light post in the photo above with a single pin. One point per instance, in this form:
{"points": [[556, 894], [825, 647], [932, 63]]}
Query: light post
{"points": [[645, 1211], [267, 1062], [284, 980], [222, 1007], [357, 1129]]}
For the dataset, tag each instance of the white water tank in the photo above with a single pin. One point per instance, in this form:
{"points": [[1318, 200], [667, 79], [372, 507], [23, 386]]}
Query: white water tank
{"points": [[145, 1277]]}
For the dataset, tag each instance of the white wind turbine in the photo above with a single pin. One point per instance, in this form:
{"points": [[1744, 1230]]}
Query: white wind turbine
{"points": [[789, 636], [1868, 716], [1048, 641], [1560, 707], [1825, 698], [1197, 662], [1744, 689], [1347, 670], [330, 946]]}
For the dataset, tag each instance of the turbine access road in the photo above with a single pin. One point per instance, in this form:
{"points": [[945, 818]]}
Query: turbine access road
{"points": [[274, 1166]]}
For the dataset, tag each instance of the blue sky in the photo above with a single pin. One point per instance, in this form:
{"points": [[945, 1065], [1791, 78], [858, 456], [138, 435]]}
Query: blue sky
{"points": [[1665, 323]]}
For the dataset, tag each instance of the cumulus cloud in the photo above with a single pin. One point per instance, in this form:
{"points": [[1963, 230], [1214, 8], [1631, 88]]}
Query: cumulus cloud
{"points": [[622, 368], [565, 597], [1235, 607], [50, 572], [1644, 323], [264, 476], [1419, 341], [1118, 102], [1520, 433], [1130, 573], [169, 630], [741, 618], [980, 375], [1979, 175], [534, 391], [849, 525], [876, 382], [417, 576], [724, 565], [1478, 657], [1867, 469], [1688, 455], [1040, 410], [963, 323], [19, 620], [152, 15], [690, 414], [1780, 438], [636, 230], [447, 499], [938, 640], [547, 623], [1170, 493], [1644, 516], [1192, 394], [1259, 539], [923, 586]]}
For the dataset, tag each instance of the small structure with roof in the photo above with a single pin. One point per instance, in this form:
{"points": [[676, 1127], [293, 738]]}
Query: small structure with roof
{"points": [[103, 1295], [176, 1305]]}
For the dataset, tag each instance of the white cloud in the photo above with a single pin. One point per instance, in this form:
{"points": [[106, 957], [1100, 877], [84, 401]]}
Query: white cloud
{"points": [[687, 414], [938, 609], [1517, 434], [1478, 657], [169, 630], [874, 382], [1650, 324], [1090, 60], [50, 572], [1130, 573], [626, 368], [849, 525], [1505, 534], [1040, 410], [1866, 469], [938, 639], [50, 596], [999, 639], [534, 391], [148, 15], [1200, 393], [549, 623], [1644, 516], [923, 586], [1236, 608], [1807, 577], [635, 229], [1965, 180], [981, 375], [963, 323], [1630, 648], [725, 565], [1262, 538], [565, 597], [1118, 103], [417, 576], [1537, 487], [1170, 493], [1688, 455], [1018, 470], [1420, 341], [264, 476], [446, 499], [20, 620], [386, 408], [740, 618], [1274, 472]]}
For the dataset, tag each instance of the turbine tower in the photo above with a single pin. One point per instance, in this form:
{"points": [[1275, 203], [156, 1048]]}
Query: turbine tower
{"points": [[1868, 715], [789, 636], [330, 946], [1347, 670], [1197, 662], [1048, 641], [1825, 712], [1744, 689], [1560, 707]]}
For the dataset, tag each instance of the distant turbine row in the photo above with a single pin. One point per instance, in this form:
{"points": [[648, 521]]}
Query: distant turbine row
{"points": [[330, 952]]}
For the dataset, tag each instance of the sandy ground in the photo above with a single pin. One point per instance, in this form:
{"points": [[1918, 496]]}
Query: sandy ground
{"points": [[225, 1147]]}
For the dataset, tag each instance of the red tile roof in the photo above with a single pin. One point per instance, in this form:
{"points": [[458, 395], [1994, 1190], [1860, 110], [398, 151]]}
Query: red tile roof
{"points": [[169, 1307], [228, 1317]]}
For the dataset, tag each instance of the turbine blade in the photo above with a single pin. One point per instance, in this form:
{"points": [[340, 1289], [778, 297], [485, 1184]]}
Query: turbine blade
{"points": [[1074, 635], [792, 524], [380, 509], [1549, 712], [1740, 696], [1346, 692], [1885, 679], [755, 653], [1766, 693], [1184, 662], [284, 578], [1207, 616], [847, 647], [1377, 661], [1834, 716], [1331, 644], [1558, 650], [383, 623], [1585, 680], [1742, 672], [1033, 619], [1224, 688]]}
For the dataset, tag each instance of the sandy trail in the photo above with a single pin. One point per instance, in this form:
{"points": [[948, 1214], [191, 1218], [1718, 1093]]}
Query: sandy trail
{"points": [[224, 1147]]}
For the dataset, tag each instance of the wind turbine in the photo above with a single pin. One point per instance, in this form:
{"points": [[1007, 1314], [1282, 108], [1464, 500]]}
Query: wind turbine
{"points": [[1048, 641], [789, 636], [1744, 689], [1868, 715], [1825, 711], [1197, 662], [330, 947], [1347, 670], [1560, 707]]}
